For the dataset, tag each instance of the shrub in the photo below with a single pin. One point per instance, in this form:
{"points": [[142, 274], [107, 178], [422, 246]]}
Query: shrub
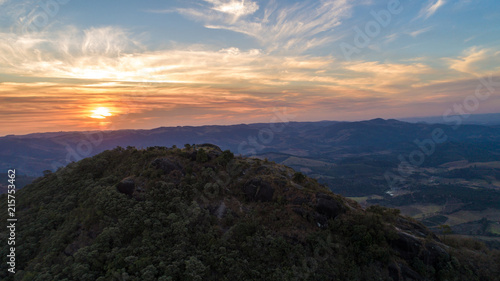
{"points": [[299, 177]]}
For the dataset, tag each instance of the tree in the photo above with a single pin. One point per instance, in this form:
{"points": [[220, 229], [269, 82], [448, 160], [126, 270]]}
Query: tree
{"points": [[201, 156], [195, 269], [298, 177], [445, 230]]}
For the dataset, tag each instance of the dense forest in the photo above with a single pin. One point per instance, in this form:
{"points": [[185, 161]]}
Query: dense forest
{"points": [[200, 213]]}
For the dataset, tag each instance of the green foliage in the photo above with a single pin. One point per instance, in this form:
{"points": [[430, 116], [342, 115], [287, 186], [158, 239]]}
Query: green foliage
{"points": [[225, 158], [190, 220], [201, 156], [299, 177]]}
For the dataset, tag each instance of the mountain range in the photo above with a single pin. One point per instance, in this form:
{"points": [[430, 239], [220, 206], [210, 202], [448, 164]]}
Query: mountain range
{"points": [[438, 174]]}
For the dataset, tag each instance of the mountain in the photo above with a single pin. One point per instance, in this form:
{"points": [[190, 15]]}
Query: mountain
{"points": [[456, 183], [473, 119], [326, 141], [200, 213]]}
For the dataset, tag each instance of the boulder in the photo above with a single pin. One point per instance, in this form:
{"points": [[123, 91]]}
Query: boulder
{"points": [[407, 245], [126, 186], [209, 145], [166, 165], [328, 206], [259, 190]]}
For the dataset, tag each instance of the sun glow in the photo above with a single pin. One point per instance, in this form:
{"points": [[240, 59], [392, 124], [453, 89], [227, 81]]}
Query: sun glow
{"points": [[100, 113]]}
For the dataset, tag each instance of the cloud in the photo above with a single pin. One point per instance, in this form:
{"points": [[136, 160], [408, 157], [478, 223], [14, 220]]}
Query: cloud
{"points": [[236, 8], [108, 67], [298, 27], [112, 54], [384, 78], [431, 8], [476, 61], [420, 31]]}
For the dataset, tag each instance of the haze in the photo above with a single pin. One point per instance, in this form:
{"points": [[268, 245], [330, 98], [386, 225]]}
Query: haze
{"points": [[87, 65]]}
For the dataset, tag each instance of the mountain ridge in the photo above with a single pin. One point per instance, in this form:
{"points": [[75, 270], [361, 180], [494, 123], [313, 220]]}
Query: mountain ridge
{"points": [[200, 213], [32, 154]]}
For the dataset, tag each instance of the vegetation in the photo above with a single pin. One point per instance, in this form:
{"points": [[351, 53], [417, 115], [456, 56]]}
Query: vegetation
{"points": [[200, 213]]}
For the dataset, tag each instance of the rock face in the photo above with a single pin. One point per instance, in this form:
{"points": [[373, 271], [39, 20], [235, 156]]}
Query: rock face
{"points": [[258, 190], [328, 206], [166, 165], [209, 145], [212, 151], [126, 186]]}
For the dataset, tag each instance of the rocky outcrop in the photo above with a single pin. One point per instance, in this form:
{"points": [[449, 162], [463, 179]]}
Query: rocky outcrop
{"points": [[328, 206], [166, 165], [126, 186], [258, 190]]}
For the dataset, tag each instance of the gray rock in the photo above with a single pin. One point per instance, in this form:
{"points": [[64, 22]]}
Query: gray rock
{"points": [[258, 190], [126, 186], [166, 165], [328, 206]]}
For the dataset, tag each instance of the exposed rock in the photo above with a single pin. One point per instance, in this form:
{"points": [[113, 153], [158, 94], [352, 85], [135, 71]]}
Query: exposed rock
{"points": [[301, 200], [263, 170], [328, 206], [321, 220], [434, 254], [212, 154], [209, 145], [401, 272], [408, 274], [394, 271], [126, 186], [259, 190], [407, 245], [211, 150], [280, 182], [415, 228], [221, 210], [166, 165]]}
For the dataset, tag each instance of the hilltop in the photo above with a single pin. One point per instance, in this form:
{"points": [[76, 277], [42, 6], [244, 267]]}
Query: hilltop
{"points": [[200, 213]]}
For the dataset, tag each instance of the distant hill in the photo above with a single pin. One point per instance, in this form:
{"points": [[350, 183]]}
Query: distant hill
{"points": [[492, 119], [327, 141], [200, 213]]}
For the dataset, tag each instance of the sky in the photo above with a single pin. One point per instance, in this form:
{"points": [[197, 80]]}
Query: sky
{"points": [[72, 65]]}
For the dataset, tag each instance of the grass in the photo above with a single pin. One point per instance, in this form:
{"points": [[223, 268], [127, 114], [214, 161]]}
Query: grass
{"points": [[468, 216], [297, 161], [494, 228], [419, 211], [362, 200]]}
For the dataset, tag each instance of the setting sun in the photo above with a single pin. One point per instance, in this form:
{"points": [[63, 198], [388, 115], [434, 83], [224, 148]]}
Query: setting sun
{"points": [[100, 113]]}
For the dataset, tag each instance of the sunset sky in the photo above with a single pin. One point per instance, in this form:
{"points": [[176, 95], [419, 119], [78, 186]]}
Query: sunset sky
{"points": [[69, 65]]}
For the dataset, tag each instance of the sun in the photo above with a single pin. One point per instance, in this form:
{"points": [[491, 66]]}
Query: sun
{"points": [[100, 113]]}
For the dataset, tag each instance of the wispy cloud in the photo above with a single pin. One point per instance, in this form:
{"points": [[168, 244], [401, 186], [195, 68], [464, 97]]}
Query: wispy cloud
{"points": [[476, 61], [236, 8], [420, 31], [111, 54], [431, 8], [297, 27]]}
